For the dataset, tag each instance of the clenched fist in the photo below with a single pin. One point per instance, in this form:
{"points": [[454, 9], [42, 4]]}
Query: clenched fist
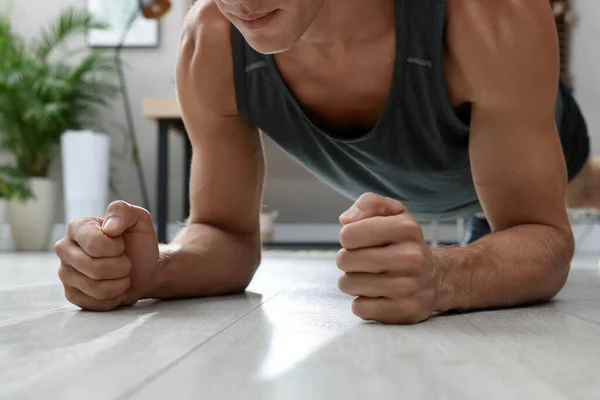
{"points": [[108, 262], [386, 262]]}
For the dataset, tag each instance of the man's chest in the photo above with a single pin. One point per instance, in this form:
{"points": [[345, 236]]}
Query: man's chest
{"points": [[348, 94]]}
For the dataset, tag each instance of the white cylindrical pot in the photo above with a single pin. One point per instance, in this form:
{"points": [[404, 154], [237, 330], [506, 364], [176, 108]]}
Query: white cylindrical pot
{"points": [[32, 221], [3, 220], [86, 173], [267, 225]]}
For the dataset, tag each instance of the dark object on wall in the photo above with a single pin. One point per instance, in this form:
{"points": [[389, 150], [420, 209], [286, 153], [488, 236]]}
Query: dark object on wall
{"points": [[154, 9], [565, 18]]}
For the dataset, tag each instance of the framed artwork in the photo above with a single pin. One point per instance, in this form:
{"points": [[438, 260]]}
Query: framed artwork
{"points": [[117, 13]]}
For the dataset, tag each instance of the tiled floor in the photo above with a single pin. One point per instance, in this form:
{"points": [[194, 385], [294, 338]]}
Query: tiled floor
{"points": [[291, 336]]}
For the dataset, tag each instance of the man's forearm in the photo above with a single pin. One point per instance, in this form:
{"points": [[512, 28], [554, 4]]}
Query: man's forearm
{"points": [[205, 261], [521, 265]]}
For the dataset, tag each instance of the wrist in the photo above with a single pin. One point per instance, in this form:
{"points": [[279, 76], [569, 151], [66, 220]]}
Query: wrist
{"points": [[446, 293], [157, 279]]}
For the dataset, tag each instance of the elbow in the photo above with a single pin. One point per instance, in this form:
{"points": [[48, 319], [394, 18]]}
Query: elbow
{"points": [[240, 283], [555, 285], [241, 279], [235, 287], [563, 256]]}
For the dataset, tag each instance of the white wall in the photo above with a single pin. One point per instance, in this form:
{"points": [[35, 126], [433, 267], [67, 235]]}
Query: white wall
{"points": [[585, 62]]}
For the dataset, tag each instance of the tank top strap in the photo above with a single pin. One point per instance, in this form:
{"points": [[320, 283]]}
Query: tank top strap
{"points": [[245, 60]]}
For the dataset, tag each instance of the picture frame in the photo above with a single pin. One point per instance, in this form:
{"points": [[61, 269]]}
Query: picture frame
{"points": [[144, 33]]}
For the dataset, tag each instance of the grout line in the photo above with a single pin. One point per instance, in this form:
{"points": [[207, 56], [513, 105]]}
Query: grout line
{"points": [[128, 394]]}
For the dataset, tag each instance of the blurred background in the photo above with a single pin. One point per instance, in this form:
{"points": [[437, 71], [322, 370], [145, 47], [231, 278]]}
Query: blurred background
{"points": [[71, 156]]}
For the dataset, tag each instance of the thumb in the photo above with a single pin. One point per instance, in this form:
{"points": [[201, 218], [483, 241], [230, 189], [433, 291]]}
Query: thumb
{"points": [[371, 205], [121, 216]]}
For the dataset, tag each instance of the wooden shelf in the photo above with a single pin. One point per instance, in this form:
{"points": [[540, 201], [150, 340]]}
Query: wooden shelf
{"points": [[158, 107]]}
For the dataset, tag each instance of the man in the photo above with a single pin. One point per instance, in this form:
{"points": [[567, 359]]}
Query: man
{"points": [[418, 109]]}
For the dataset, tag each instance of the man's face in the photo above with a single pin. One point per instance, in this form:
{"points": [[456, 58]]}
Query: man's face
{"points": [[271, 26]]}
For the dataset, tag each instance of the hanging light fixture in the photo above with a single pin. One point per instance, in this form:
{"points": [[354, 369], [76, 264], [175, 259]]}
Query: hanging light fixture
{"points": [[154, 9]]}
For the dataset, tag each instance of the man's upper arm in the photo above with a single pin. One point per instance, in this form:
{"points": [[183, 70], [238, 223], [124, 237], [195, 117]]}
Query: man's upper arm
{"points": [[227, 164], [507, 52]]}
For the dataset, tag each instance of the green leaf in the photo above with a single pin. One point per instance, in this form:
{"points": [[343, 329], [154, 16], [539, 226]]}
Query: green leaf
{"points": [[71, 22], [13, 184]]}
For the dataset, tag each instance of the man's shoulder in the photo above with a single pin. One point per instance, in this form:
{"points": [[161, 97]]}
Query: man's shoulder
{"points": [[494, 44], [205, 62], [494, 27], [209, 29]]}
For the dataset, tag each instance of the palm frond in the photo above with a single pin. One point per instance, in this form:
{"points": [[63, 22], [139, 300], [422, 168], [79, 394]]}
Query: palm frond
{"points": [[71, 22], [94, 62]]}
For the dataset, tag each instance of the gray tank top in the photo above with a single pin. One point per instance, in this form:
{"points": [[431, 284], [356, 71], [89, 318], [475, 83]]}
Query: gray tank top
{"points": [[418, 153]]}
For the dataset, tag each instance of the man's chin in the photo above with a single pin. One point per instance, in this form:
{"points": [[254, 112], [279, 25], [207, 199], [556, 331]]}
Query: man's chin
{"points": [[266, 45]]}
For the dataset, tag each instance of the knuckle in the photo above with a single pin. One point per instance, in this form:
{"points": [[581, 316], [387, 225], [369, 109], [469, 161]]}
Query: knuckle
{"points": [[411, 287], [72, 226], [59, 246], [110, 268], [98, 290], [98, 270], [343, 283], [71, 296], [108, 306], [77, 257], [112, 246], [410, 259], [63, 274], [119, 206], [411, 227], [367, 201], [414, 257], [370, 197], [75, 225], [360, 310], [373, 200], [397, 230], [95, 245], [122, 265], [107, 290], [341, 259], [125, 264], [346, 236]]}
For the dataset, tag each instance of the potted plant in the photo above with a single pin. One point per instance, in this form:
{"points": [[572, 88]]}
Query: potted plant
{"points": [[13, 186], [47, 89]]}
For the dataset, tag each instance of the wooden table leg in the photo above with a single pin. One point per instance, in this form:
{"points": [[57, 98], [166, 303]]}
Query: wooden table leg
{"points": [[162, 187], [186, 183]]}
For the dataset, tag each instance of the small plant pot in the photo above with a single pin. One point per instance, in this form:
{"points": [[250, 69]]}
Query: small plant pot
{"points": [[267, 226], [32, 221]]}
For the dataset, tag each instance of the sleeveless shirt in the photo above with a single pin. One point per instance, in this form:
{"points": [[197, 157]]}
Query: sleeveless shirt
{"points": [[417, 153]]}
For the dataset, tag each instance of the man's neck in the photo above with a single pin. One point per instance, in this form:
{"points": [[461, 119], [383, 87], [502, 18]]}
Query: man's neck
{"points": [[346, 23]]}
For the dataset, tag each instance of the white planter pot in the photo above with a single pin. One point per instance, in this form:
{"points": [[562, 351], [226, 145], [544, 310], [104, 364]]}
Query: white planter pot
{"points": [[86, 173], [3, 205], [267, 225], [32, 221]]}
